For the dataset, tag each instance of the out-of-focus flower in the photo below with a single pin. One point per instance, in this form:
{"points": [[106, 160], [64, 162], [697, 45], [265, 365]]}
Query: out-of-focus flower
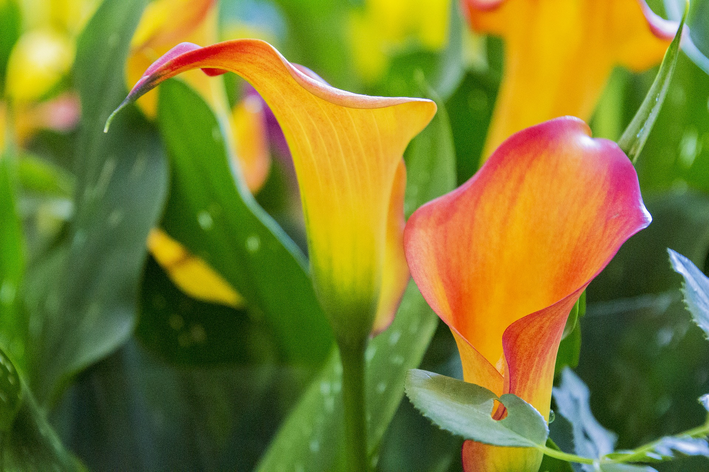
{"points": [[559, 55], [503, 259], [384, 27], [191, 273], [347, 150]]}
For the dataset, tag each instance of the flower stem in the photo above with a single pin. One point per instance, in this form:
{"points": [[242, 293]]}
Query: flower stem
{"points": [[353, 399]]}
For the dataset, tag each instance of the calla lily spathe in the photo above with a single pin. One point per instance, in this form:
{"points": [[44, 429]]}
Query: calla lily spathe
{"points": [[559, 54], [347, 150], [503, 259]]}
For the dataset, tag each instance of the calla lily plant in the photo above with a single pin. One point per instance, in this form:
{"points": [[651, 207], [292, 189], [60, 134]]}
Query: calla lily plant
{"points": [[347, 150], [504, 258]]}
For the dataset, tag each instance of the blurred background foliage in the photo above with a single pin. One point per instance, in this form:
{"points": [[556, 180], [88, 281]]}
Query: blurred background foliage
{"points": [[121, 369]]}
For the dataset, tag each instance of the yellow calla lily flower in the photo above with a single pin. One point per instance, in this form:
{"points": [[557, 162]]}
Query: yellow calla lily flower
{"points": [[559, 54], [347, 150]]}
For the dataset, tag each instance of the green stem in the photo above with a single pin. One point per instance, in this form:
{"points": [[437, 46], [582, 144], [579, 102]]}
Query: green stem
{"points": [[353, 399], [565, 456], [638, 453]]}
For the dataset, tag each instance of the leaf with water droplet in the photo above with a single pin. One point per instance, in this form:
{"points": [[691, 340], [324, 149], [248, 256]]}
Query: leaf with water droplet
{"points": [[637, 132], [84, 293]]}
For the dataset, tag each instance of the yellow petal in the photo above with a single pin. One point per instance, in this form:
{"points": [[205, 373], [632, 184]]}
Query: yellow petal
{"points": [[248, 126], [559, 55], [347, 150], [190, 273]]}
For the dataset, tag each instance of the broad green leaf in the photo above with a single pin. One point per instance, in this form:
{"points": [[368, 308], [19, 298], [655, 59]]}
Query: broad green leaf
{"points": [[10, 28], [313, 433], [183, 330], [27, 441], [83, 295], [695, 289], [466, 410], [39, 175], [220, 222], [572, 401], [637, 132], [13, 320]]}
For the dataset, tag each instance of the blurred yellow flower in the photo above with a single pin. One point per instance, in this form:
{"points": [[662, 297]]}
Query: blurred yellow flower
{"points": [[385, 27], [559, 55]]}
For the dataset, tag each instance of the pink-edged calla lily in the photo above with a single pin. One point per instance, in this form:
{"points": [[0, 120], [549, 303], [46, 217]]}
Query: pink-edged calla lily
{"points": [[347, 150], [559, 55], [503, 259]]}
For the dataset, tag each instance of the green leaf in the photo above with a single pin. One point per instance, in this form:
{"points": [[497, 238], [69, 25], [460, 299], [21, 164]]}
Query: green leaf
{"points": [[466, 410], [183, 330], [27, 441], [430, 159], [10, 29], [572, 402], [39, 175], [83, 295], [695, 289], [313, 434], [218, 221], [637, 132], [13, 319], [10, 394]]}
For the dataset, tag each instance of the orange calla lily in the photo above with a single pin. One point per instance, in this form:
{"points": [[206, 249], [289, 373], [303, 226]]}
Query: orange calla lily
{"points": [[347, 150], [559, 55], [503, 259]]}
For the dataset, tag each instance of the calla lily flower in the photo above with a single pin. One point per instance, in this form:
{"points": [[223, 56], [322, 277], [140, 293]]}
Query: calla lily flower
{"points": [[503, 259], [347, 150], [384, 27], [559, 55]]}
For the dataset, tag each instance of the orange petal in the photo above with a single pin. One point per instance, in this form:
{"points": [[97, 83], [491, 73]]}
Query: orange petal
{"points": [[347, 150], [559, 55], [524, 236], [503, 259]]}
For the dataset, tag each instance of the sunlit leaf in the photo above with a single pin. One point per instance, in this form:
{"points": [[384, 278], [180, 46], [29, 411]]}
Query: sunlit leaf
{"points": [[466, 410]]}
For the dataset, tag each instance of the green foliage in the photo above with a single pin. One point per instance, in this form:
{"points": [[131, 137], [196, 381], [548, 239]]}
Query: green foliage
{"points": [[589, 437], [695, 289], [82, 297], [635, 135]]}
